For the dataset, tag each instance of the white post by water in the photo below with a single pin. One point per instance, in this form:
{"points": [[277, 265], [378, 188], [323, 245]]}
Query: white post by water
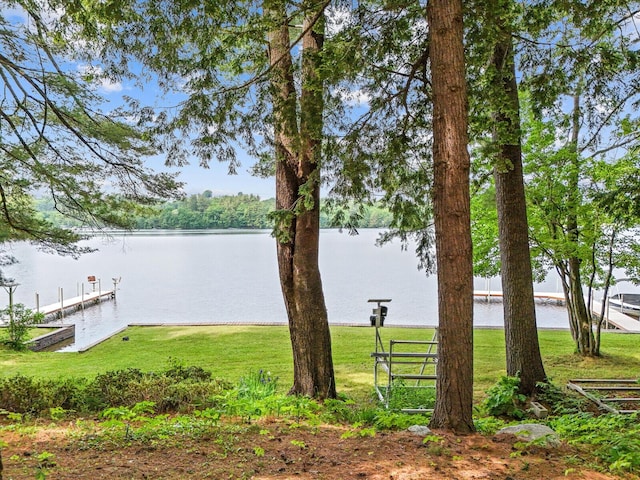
{"points": [[37, 302]]}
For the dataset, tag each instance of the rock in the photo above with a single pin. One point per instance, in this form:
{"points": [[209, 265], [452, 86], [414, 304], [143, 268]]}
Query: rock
{"points": [[530, 432], [419, 430]]}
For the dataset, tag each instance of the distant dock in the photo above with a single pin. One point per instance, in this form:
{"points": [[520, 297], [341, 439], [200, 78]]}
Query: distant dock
{"points": [[489, 294], [613, 318]]}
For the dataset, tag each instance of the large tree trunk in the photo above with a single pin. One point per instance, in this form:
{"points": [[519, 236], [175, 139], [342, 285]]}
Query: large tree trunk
{"points": [[454, 386], [520, 329], [297, 195]]}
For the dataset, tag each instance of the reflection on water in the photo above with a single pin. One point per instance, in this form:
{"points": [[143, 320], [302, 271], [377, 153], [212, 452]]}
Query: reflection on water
{"points": [[225, 276]]}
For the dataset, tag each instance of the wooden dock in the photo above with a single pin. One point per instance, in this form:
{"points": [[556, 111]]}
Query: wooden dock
{"points": [[616, 319], [81, 301], [489, 294], [613, 318]]}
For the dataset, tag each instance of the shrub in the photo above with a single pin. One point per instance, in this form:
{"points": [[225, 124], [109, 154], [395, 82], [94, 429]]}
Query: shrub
{"points": [[560, 401], [20, 321], [402, 396], [121, 388], [193, 373], [113, 388], [22, 394], [503, 399]]}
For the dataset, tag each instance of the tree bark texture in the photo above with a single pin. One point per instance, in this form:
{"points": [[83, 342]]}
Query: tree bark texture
{"points": [[454, 386], [297, 135], [520, 329]]}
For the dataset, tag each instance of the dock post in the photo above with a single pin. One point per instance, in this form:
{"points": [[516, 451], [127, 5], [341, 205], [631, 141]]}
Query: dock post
{"points": [[37, 302], [61, 303], [82, 297], [99, 288]]}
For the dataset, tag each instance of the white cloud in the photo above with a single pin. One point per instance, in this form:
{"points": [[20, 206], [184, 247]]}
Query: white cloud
{"points": [[102, 83], [354, 98], [338, 18]]}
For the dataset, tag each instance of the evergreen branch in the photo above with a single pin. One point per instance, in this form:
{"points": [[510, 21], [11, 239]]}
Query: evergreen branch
{"points": [[263, 76]]}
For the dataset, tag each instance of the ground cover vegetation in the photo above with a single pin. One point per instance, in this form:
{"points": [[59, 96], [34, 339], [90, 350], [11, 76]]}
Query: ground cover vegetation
{"points": [[171, 419]]}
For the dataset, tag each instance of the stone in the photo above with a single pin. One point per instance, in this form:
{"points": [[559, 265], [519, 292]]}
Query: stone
{"points": [[530, 432], [420, 430]]}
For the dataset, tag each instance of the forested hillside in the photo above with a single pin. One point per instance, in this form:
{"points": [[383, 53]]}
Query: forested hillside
{"points": [[202, 211]]}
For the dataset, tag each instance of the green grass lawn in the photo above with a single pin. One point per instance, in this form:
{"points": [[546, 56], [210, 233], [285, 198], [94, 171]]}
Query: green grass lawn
{"points": [[232, 351]]}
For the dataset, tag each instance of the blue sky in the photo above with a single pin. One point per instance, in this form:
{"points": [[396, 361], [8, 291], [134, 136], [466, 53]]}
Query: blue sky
{"points": [[217, 179], [196, 178]]}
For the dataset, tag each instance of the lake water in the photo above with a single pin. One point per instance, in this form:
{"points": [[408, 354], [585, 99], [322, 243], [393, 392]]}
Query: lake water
{"points": [[230, 276]]}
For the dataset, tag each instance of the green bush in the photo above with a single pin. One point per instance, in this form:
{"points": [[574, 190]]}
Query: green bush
{"points": [[112, 389], [22, 394], [503, 399], [170, 391], [21, 319], [349, 411], [193, 373]]}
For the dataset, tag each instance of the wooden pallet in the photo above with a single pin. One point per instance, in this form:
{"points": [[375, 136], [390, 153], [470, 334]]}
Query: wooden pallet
{"points": [[613, 395]]}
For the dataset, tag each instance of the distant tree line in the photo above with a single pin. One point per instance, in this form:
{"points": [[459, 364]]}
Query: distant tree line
{"points": [[203, 210]]}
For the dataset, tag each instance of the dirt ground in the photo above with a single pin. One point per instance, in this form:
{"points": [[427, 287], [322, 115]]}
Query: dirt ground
{"points": [[272, 450]]}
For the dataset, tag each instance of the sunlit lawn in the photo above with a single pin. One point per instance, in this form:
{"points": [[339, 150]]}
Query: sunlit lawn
{"points": [[232, 351]]}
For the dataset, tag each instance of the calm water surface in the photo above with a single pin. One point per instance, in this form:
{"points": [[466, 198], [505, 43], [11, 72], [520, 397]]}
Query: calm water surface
{"points": [[230, 276]]}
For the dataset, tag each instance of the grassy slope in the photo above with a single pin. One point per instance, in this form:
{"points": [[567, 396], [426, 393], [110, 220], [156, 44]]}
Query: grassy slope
{"points": [[232, 351]]}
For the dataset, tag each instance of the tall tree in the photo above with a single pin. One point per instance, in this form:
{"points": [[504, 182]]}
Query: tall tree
{"points": [[521, 335], [580, 75], [298, 142], [55, 141], [230, 94], [451, 205]]}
